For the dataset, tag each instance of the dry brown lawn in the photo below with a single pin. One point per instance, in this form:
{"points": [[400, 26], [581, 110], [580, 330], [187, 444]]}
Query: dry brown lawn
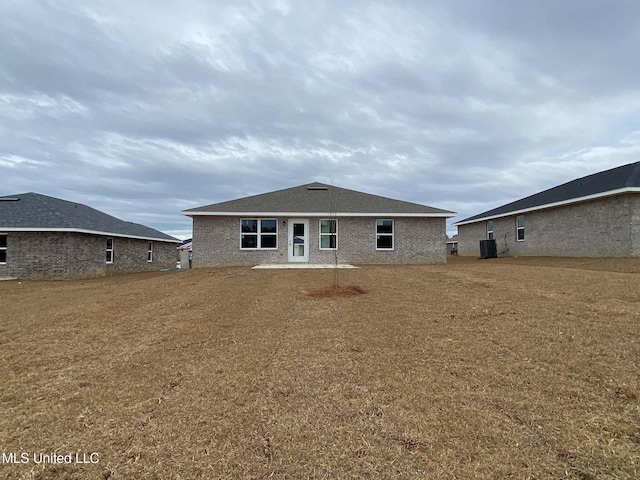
{"points": [[507, 368]]}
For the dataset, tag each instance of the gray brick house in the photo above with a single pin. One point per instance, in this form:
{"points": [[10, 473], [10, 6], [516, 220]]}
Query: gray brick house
{"points": [[593, 216], [312, 223], [46, 237]]}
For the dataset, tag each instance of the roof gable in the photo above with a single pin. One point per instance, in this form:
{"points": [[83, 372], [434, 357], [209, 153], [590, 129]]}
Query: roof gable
{"points": [[318, 199], [625, 178], [36, 212]]}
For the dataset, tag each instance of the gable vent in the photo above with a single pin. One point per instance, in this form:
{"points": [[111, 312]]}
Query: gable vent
{"points": [[317, 188]]}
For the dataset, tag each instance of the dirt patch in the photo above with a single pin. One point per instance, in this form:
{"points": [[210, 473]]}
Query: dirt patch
{"points": [[476, 369], [338, 291]]}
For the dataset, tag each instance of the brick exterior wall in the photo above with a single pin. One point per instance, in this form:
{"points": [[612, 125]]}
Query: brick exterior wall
{"points": [[65, 255], [634, 208], [607, 227], [216, 242]]}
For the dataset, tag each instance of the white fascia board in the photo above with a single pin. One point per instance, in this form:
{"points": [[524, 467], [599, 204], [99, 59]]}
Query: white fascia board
{"points": [[90, 232], [595, 196], [316, 214]]}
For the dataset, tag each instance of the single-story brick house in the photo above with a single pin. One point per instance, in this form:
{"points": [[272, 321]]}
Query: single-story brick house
{"points": [[46, 237], [312, 223], [593, 216]]}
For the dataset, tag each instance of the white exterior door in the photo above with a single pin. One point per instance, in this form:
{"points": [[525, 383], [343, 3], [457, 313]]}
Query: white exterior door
{"points": [[298, 240]]}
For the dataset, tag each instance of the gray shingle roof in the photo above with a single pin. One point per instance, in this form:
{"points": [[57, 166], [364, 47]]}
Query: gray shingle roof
{"points": [[321, 199], [619, 178], [36, 212]]}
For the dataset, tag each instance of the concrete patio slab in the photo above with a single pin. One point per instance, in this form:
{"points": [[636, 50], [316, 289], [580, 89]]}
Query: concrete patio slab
{"points": [[302, 265]]}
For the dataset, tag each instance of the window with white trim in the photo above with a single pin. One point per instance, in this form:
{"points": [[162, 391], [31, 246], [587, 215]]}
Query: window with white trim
{"points": [[109, 250], [3, 248], [490, 230], [384, 234], [150, 252], [520, 228], [328, 234], [259, 234]]}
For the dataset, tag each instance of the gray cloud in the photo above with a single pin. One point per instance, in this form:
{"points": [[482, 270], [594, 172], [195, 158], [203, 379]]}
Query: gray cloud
{"points": [[146, 108]]}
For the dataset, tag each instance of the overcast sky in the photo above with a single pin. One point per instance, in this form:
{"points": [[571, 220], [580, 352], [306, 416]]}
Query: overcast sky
{"points": [[144, 108]]}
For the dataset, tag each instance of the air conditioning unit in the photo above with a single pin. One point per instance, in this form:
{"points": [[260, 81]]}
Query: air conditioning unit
{"points": [[488, 249]]}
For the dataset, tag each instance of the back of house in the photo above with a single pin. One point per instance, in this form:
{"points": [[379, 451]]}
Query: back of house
{"points": [[317, 223]]}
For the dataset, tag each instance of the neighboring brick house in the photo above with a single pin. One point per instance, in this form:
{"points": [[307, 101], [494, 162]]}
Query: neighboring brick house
{"points": [[46, 237], [594, 216], [314, 223]]}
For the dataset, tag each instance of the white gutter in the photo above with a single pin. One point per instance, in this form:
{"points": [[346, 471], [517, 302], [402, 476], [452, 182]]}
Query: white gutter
{"points": [[595, 196], [317, 214], [80, 230]]}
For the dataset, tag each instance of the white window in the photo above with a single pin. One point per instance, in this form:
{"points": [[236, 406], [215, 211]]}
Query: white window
{"points": [[259, 234], [150, 252], [3, 248], [109, 250], [490, 230], [520, 228], [329, 234], [384, 234]]}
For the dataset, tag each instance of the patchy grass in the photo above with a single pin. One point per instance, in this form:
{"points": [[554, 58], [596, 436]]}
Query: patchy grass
{"points": [[477, 369]]}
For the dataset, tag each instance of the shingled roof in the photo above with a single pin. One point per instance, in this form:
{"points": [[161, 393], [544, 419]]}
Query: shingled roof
{"points": [[619, 180], [34, 212], [316, 199]]}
